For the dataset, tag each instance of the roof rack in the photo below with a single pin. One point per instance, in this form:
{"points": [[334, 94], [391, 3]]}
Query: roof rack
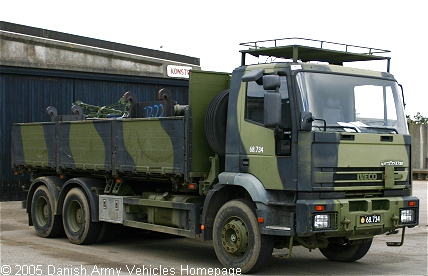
{"points": [[319, 50]]}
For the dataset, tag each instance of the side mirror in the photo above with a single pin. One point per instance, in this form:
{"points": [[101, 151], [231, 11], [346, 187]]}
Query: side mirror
{"points": [[272, 109], [271, 82], [306, 120], [253, 75]]}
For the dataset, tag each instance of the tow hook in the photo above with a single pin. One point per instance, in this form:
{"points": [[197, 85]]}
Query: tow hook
{"points": [[346, 223], [400, 243], [395, 220]]}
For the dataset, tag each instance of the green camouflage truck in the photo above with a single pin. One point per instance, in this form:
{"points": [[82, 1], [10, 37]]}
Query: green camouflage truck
{"points": [[274, 155]]}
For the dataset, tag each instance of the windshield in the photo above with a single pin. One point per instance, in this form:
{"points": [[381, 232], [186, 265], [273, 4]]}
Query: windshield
{"points": [[352, 104]]}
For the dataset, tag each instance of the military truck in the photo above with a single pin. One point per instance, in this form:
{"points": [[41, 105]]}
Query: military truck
{"points": [[275, 155]]}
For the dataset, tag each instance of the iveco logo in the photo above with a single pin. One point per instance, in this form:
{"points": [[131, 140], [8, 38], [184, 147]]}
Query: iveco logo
{"points": [[391, 163], [366, 176]]}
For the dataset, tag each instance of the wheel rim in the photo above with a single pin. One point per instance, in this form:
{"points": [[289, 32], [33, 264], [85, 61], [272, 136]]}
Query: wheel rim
{"points": [[42, 211], [75, 216], [234, 237]]}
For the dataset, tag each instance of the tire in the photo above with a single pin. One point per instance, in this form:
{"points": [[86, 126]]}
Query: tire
{"points": [[215, 122], [346, 252], [76, 218], [237, 239], [107, 232], [46, 224]]}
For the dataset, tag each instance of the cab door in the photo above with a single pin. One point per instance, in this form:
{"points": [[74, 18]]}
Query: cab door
{"points": [[265, 152]]}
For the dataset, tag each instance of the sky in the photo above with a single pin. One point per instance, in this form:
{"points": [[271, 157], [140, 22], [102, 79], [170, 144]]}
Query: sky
{"points": [[212, 30]]}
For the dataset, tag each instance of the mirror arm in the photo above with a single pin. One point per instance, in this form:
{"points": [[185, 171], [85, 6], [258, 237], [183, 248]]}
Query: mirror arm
{"points": [[325, 122], [307, 119]]}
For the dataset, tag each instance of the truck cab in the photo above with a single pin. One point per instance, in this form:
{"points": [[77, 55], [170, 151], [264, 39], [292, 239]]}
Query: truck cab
{"points": [[320, 149]]}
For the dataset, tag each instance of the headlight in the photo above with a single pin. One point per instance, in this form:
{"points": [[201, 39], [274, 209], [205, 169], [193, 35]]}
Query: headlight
{"points": [[322, 221], [407, 215]]}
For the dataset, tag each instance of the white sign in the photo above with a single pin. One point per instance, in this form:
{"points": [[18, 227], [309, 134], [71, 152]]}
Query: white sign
{"points": [[296, 67], [178, 71]]}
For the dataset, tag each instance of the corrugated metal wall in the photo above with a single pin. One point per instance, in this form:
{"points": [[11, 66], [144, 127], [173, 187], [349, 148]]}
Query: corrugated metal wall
{"points": [[25, 94], [419, 146]]}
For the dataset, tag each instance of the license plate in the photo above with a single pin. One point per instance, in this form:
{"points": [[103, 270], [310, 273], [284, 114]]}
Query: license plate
{"points": [[370, 219]]}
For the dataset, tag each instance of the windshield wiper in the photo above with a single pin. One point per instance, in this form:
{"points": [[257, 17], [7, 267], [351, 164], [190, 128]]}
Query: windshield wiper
{"points": [[325, 126], [345, 127], [391, 129], [355, 129]]}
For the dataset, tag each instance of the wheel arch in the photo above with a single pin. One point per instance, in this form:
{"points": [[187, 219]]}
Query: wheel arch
{"points": [[92, 188], [231, 186], [53, 183]]}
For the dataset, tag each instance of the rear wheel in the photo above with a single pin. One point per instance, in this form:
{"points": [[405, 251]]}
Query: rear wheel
{"points": [[237, 239], [45, 222], [107, 232], [76, 217], [346, 252]]}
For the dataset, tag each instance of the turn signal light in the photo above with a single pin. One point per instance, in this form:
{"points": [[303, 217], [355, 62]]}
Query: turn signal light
{"points": [[319, 207], [411, 203]]}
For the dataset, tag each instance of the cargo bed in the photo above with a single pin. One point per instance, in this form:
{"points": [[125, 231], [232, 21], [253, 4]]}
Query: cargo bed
{"points": [[152, 146]]}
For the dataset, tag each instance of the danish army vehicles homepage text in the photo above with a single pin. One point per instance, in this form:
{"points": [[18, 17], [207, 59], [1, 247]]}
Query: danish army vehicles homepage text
{"points": [[274, 155]]}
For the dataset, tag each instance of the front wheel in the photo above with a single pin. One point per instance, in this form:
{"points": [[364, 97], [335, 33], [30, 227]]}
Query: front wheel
{"points": [[76, 217], [346, 252], [237, 239]]}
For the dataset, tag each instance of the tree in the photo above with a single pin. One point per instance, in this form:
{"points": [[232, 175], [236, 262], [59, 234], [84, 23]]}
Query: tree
{"points": [[418, 119]]}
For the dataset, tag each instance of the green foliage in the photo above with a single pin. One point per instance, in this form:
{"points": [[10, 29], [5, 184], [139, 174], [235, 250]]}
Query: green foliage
{"points": [[418, 119]]}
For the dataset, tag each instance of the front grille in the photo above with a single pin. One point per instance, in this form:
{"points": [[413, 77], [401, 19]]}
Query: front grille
{"points": [[359, 176]]}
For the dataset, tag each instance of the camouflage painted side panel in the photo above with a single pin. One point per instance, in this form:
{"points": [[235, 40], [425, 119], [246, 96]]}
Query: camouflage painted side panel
{"points": [[85, 145], [151, 146], [34, 145]]}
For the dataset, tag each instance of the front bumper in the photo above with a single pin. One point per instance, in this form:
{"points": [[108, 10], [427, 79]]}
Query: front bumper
{"points": [[353, 218]]}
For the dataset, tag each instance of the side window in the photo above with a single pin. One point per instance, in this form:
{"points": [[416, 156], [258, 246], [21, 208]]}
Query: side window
{"points": [[255, 102]]}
